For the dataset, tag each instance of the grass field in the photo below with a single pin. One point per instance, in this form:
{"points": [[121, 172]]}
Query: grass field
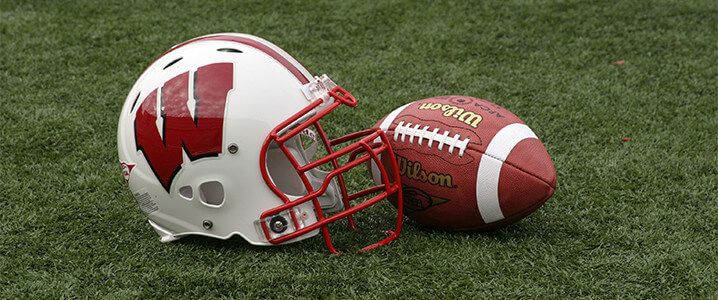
{"points": [[635, 218]]}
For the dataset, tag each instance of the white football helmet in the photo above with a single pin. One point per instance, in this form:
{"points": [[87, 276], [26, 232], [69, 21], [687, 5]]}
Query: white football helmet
{"points": [[212, 141]]}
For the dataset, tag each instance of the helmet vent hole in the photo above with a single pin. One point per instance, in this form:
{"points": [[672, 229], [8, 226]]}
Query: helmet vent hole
{"points": [[212, 193], [230, 50], [172, 63], [134, 103], [186, 192]]}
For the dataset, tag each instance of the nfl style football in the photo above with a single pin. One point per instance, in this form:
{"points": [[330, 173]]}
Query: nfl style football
{"points": [[467, 163]]}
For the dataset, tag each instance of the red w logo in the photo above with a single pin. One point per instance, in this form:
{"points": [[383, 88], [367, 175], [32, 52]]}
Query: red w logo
{"points": [[200, 136]]}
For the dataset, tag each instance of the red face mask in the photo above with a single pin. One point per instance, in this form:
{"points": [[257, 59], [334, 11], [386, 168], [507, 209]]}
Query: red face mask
{"points": [[367, 146]]}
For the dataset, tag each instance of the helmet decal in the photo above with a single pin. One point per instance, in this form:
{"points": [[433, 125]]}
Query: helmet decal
{"points": [[200, 135]]}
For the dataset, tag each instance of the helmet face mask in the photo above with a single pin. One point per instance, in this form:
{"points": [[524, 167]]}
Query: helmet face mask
{"points": [[220, 143], [367, 146]]}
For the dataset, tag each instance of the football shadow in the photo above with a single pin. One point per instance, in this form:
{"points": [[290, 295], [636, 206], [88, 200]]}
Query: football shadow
{"points": [[524, 229]]}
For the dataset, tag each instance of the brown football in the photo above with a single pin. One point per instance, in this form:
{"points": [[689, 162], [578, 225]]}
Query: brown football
{"points": [[467, 163]]}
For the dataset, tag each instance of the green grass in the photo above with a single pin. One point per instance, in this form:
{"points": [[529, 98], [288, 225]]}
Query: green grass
{"points": [[636, 218]]}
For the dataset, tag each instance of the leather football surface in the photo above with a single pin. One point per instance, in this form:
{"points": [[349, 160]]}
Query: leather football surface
{"points": [[467, 163]]}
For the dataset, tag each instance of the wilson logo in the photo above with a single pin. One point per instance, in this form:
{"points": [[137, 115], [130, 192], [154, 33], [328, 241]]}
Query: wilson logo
{"points": [[414, 170], [198, 134], [470, 118]]}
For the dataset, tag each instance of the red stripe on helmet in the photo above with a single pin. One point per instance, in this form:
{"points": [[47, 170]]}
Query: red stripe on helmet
{"points": [[254, 44]]}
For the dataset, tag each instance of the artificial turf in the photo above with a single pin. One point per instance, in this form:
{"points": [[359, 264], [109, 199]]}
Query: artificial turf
{"points": [[635, 213]]}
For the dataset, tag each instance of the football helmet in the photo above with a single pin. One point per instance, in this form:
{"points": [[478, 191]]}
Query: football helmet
{"points": [[221, 136]]}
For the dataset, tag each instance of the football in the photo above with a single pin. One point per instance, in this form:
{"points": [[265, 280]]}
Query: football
{"points": [[467, 163]]}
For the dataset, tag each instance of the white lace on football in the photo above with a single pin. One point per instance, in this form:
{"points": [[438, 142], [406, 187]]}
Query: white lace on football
{"points": [[423, 133]]}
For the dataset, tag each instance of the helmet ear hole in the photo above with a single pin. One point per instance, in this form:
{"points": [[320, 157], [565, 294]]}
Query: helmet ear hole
{"points": [[211, 193], [186, 192]]}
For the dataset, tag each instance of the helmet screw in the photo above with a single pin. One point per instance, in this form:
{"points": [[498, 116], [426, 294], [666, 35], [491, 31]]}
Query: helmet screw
{"points": [[278, 224], [207, 224], [232, 148]]}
